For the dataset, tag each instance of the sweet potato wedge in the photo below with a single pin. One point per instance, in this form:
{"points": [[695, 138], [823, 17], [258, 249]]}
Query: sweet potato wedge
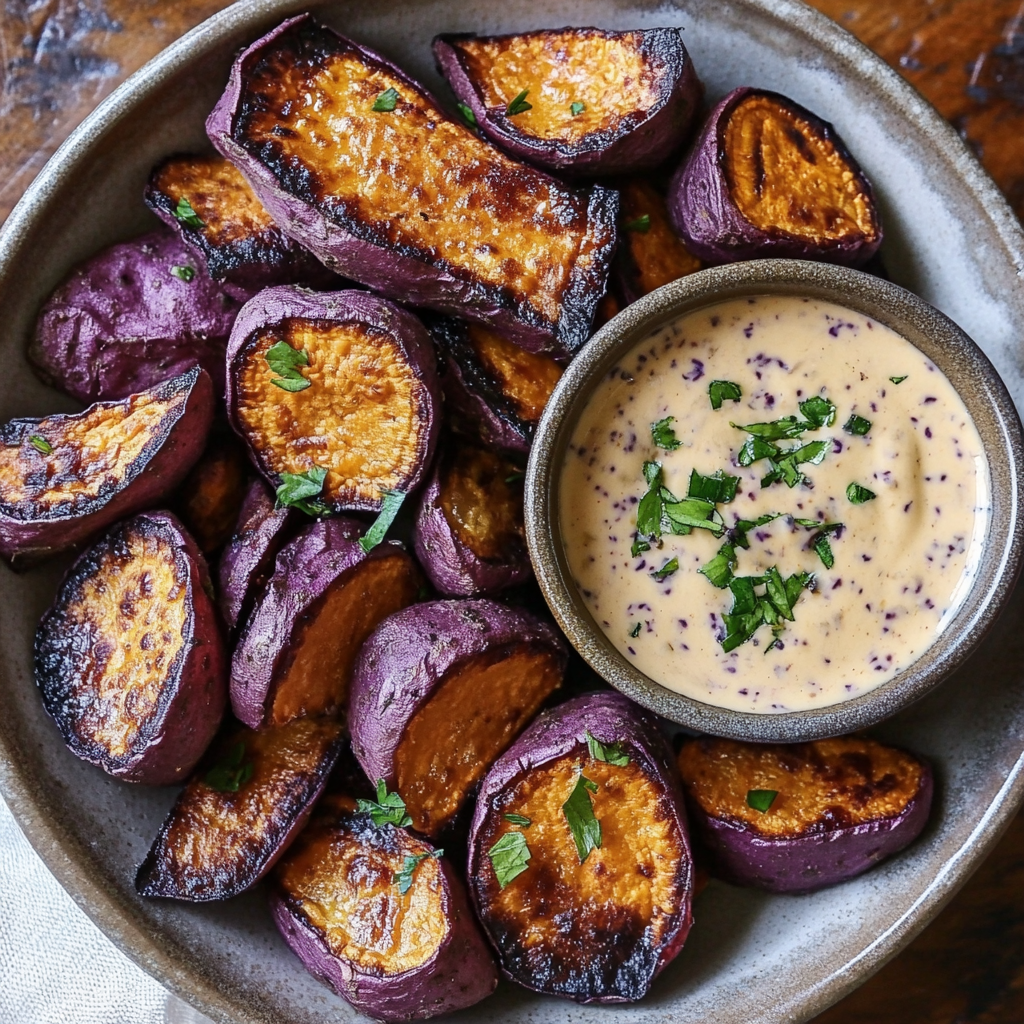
{"points": [[579, 100], [767, 178], [129, 659], [802, 816], [579, 859], [132, 316], [208, 202], [297, 649], [240, 811], [440, 690], [358, 163], [381, 917], [356, 399], [469, 534], [248, 560], [65, 478], [498, 387]]}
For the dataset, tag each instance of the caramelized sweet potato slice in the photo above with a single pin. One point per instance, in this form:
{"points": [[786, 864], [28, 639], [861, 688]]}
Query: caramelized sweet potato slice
{"points": [[240, 811], [589, 100], [381, 917], [129, 659], [228, 227], [65, 478], [404, 199], [798, 817]]}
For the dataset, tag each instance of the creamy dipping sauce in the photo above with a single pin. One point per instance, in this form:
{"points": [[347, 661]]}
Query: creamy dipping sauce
{"points": [[901, 563]]}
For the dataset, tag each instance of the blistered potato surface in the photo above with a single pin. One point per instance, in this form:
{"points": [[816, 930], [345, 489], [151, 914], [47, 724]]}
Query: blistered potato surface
{"points": [[482, 499], [526, 378]]}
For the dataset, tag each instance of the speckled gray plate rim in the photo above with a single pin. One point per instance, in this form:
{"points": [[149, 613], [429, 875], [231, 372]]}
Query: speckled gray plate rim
{"points": [[969, 370], [753, 959]]}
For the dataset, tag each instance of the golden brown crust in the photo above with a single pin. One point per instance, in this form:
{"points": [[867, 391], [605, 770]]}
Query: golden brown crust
{"points": [[525, 378]]}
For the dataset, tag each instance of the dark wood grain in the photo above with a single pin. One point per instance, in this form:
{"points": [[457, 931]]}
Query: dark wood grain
{"points": [[61, 57]]}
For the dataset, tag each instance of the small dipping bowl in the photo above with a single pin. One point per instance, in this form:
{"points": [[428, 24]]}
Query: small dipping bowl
{"points": [[965, 366]]}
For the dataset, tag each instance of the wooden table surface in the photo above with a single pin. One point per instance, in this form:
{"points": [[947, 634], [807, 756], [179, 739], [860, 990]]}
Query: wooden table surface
{"points": [[61, 57]]}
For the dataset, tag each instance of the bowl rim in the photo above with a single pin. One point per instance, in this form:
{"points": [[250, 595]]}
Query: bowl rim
{"points": [[954, 353]]}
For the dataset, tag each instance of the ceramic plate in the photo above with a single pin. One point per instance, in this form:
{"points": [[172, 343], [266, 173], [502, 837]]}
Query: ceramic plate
{"points": [[751, 958]]}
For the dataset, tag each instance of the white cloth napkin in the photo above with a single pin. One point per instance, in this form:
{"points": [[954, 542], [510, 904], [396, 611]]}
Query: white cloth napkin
{"points": [[56, 966]]}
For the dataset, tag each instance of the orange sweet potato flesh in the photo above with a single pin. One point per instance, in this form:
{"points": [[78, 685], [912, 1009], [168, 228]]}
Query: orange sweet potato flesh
{"points": [[226, 829], [364, 418], [470, 720], [824, 785], [211, 495], [482, 499], [785, 175], [525, 378]]}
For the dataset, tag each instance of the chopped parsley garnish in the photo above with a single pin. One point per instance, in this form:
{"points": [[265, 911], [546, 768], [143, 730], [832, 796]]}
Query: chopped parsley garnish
{"points": [[819, 412], [719, 488], [783, 429], [231, 772], [387, 809], [823, 549], [857, 425], [514, 478], [519, 104], [184, 213], [671, 566], [403, 878], [752, 610], [784, 466], [467, 114], [285, 362], [518, 819], [761, 799], [660, 511], [743, 526], [858, 495], [509, 856], [719, 570], [577, 108], [579, 813], [40, 444], [664, 436], [301, 491], [611, 753], [898, 380], [635, 631], [386, 101], [639, 547], [184, 273], [720, 391], [388, 510], [641, 224]]}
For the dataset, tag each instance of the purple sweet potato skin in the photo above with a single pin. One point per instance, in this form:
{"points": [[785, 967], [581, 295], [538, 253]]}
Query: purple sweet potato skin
{"points": [[609, 718], [25, 541], [385, 270], [248, 559], [638, 146], [711, 225], [410, 654], [453, 568], [122, 322], [460, 973], [809, 862], [349, 306]]}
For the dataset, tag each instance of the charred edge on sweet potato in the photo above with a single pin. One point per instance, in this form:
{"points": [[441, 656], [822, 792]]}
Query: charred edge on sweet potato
{"points": [[314, 673], [523, 240], [594, 929], [339, 878], [789, 173], [821, 786], [108, 653], [210, 497], [93, 454], [365, 416], [656, 255], [471, 719], [216, 843]]}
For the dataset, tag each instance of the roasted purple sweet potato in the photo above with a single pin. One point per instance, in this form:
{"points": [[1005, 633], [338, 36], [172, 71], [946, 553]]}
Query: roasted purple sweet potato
{"points": [[579, 859], [358, 163], [129, 659], [767, 178], [206, 200], [469, 534], [440, 690], [381, 917], [241, 810], [577, 100], [130, 317], [297, 649], [799, 817], [342, 383], [65, 478], [248, 561], [498, 387], [650, 253]]}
